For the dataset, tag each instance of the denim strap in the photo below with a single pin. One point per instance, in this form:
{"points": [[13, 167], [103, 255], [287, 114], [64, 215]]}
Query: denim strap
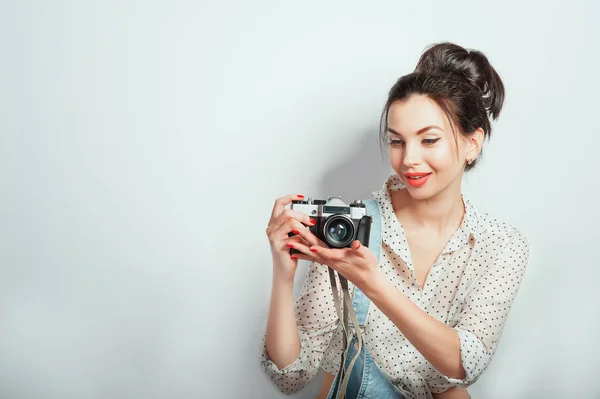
{"points": [[361, 302], [354, 311]]}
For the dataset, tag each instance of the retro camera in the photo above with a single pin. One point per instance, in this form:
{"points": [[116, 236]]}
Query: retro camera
{"points": [[338, 224]]}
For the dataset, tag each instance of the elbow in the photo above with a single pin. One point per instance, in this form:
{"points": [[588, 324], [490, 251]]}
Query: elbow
{"points": [[457, 373], [464, 366], [452, 365], [454, 368]]}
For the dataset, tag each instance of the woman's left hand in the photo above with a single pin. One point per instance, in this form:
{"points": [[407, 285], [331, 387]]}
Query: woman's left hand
{"points": [[358, 263]]}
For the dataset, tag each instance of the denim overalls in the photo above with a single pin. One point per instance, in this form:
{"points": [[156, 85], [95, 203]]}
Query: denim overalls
{"points": [[366, 380]]}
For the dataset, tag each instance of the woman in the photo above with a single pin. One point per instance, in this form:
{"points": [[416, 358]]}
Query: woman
{"points": [[447, 275]]}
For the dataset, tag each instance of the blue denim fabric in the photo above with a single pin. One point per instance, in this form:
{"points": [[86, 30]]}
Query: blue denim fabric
{"points": [[367, 381], [366, 378]]}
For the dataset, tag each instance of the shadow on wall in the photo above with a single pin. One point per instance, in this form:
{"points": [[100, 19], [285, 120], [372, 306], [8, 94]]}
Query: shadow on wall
{"points": [[357, 175], [360, 172]]}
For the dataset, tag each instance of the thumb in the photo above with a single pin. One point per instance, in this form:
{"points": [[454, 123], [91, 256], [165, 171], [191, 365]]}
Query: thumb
{"points": [[358, 247]]}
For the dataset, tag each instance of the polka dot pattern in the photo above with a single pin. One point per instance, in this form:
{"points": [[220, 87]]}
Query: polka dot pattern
{"points": [[471, 288]]}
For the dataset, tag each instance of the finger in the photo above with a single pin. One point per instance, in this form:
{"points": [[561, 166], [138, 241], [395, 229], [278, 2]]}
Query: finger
{"points": [[332, 254], [301, 240], [288, 214], [320, 243], [359, 249], [280, 204], [286, 222], [298, 239], [299, 246], [293, 241], [300, 256], [292, 228], [305, 233]]}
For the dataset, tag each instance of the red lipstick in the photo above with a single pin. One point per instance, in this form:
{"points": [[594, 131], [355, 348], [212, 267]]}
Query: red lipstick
{"points": [[417, 179]]}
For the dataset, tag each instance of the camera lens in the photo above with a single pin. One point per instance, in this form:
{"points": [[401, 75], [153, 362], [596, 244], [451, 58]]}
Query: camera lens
{"points": [[338, 231]]}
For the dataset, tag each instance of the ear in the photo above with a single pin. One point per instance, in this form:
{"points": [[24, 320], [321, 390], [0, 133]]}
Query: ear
{"points": [[475, 143]]}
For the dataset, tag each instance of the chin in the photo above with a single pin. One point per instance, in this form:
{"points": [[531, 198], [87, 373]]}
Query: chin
{"points": [[420, 193]]}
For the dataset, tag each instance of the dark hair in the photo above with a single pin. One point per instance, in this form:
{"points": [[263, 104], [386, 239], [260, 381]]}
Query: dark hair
{"points": [[461, 81]]}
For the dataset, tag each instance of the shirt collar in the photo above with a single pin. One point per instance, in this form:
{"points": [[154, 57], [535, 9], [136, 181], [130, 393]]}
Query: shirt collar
{"points": [[469, 227]]}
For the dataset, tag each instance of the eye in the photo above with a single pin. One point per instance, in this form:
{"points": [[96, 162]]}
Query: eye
{"points": [[395, 142], [430, 141]]}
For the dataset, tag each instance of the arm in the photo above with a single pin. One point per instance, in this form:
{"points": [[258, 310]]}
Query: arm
{"points": [[282, 341], [463, 352], [326, 385], [299, 333], [438, 343], [453, 393]]}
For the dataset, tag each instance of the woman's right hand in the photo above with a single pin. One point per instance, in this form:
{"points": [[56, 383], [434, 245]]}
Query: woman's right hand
{"points": [[283, 221]]}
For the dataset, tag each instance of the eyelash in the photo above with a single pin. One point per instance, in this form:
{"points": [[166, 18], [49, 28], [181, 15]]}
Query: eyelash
{"points": [[426, 141], [431, 141]]}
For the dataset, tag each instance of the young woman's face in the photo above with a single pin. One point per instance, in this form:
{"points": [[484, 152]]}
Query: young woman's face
{"points": [[421, 143]]}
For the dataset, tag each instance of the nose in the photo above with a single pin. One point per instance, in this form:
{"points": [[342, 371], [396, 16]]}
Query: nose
{"points": [[412, 156]]}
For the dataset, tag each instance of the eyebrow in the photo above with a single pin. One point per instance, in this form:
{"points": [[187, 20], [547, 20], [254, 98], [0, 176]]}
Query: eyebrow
{"points": [[420, 131]]}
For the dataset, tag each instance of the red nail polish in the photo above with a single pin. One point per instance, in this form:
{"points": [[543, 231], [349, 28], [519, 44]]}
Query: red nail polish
{"points": [[295, 231], [289, 245], [313, 249], [300, 195], [294, 257], [313, 221]]}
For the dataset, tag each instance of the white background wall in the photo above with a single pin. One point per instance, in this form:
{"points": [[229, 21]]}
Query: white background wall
{"points": [[142, 144]]}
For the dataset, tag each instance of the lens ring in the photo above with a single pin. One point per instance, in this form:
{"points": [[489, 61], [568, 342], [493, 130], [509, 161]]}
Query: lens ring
{"points": [[338, 231]]}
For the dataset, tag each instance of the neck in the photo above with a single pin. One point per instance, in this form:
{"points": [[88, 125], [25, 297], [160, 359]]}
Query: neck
{"points": [[439, 213]]}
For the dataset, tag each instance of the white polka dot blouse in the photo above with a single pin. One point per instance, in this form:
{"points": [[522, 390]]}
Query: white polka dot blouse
{"points": [[471, 288]]}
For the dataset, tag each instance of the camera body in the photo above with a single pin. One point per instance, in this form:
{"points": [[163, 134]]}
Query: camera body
{"points": [[338, 224]]}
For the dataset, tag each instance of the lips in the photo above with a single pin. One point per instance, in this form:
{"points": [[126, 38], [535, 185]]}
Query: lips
{"points": [[417, 179]]}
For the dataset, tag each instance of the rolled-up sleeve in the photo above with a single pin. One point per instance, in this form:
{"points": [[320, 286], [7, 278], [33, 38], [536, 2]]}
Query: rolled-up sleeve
{"points": [[316, 321], [487, 307]]}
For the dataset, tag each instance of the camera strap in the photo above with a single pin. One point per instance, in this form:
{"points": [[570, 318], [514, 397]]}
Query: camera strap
{"points": [[345, 308]]}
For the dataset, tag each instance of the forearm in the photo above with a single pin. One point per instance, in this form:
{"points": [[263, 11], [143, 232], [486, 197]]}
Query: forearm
{"points": [[437, 342], [282, 339], [453, 393]]}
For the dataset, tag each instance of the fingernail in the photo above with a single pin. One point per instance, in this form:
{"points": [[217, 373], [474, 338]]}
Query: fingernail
{"points": [[294, 257], [313, 249], [295, 231], [300, 195], [313, 221], [289, 245]]}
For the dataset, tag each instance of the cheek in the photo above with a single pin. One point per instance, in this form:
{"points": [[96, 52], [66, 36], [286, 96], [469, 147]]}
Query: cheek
{"points": [[442, 158], [395, 157]]}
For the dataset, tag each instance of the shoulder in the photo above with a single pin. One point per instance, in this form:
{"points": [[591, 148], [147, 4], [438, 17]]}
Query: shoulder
{"points": [[500, 232]]}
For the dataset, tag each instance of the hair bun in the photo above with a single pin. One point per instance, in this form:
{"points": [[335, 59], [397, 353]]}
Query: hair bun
{"points": [[472, 65]]}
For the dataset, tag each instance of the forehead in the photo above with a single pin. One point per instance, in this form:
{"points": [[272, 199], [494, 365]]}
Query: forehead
{"points": [[410, 115]]}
